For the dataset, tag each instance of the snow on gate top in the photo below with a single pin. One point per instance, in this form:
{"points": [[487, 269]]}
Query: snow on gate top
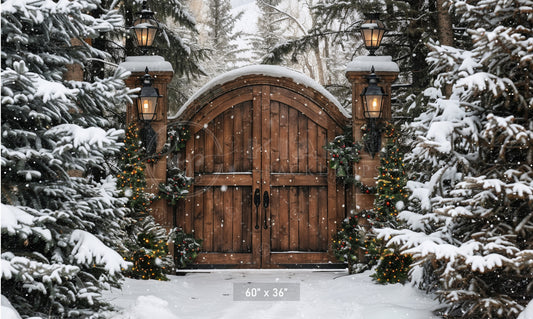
{"points": [[266, 70]]}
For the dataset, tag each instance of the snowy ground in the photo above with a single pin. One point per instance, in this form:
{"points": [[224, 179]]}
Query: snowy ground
{"points": [[323, 294]]}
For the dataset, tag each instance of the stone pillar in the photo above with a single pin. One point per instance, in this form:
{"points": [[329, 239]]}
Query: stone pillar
{"points": [[161, 71], [356, 72]]}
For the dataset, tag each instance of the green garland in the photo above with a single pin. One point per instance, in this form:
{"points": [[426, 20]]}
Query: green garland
{"points": [[177, 137], [186, 246], [176, 187], [344, 154]]}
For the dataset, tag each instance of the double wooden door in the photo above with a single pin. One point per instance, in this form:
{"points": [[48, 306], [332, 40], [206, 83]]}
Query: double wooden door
{"points": [[263, 195]]}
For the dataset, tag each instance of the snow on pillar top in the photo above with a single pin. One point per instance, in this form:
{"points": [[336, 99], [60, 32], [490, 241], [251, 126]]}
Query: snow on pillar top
{"points": [[365, 63], [154, 63]]}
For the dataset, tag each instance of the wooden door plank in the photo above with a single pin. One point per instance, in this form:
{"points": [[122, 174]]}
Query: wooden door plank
{"points": [[247, 154], [199, 216], [312, 146], [227, 224], [229, 135], [332, 188], [323, 218], [199, 148], [341, 202], [266, 134], [209, 150], [218, 220], [283, 216], [275, 220], [313, 218], [237, 218], [184, 218], [322, 165], [303, 222], [294, 216], [180, 215], [219, 143], [223, 179], [274, 137], [298, 180], [208, 197], [247, 211], [293, 140], [256, 170], [302, 144], [283, 138], [238, 148]]}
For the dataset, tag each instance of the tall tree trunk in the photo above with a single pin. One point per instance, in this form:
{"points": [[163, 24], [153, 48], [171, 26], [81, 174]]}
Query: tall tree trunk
{"points": [[320, 67], [445, 31]]}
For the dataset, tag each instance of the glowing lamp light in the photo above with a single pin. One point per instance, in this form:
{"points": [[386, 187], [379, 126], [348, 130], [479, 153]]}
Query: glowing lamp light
{"points": [[147, 100], [146, 28], [372, 30], [373, 97]]}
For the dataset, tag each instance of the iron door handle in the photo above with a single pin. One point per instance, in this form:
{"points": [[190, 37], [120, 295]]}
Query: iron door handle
{"points": [[266, 202], [257, 202]]}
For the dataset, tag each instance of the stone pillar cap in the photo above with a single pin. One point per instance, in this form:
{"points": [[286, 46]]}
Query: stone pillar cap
{"points": [[154, 63], [365, 63]]}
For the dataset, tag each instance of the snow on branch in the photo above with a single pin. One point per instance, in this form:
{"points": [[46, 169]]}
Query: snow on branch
{"points": [[483, 81], [82, 139], [518, 190], [35, 274], [90, 251], [15, 221], [503, 130]]}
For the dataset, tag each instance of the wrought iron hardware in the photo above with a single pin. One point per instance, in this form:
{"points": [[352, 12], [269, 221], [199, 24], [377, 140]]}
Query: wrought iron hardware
{"points": [[257, 202], [266, 201]]}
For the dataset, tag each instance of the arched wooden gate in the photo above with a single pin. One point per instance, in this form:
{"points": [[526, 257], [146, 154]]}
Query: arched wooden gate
{"points": [[263, 194]]}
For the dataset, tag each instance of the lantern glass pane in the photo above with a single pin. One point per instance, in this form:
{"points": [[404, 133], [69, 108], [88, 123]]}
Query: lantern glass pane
{"points": [[141, 35], [145, 31], [367, 36], [373, 106], [372, 32], [146, 107]]}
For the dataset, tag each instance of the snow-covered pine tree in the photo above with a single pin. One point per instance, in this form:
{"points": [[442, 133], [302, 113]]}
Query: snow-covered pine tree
{"points": [[60, 226], [268, 33], [221, 37], [473, 238]]}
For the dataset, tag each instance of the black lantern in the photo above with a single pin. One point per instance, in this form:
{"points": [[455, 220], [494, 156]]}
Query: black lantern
{"points": [[147, 101], [372, 31], [147, 111], [373, 96], [145, 28]]}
